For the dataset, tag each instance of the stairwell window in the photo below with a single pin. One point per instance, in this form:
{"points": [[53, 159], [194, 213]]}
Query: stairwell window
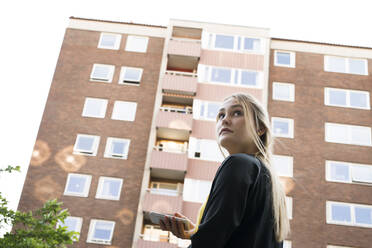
{"points": [[136, 44], [117, 148], [130, 75], [102, 73], [101, 231], [77, 185], [86, 144], [109, 41]]}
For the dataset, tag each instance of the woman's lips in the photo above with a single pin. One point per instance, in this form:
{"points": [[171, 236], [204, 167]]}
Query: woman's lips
{"points": [[225, 130]]}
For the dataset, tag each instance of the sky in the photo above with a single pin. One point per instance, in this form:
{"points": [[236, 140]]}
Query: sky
{"points": [[32, 34]]}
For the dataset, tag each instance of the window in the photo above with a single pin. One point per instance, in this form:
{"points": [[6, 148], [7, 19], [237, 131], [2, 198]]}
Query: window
{"points": [[136, 44], [283, 92], [196, 190], [234, 43], [77, 185], [73, 224], [109, 188], [282, 127], [349, 214], [289, 203], [124, 111], [346, 65], [348, 134], [162, 188], [337, 246], [109, 41], [204, 149], [346, 98], [287, 244], [283, 165], [102, 73], [86, 144], [204, 110], [345, 172], [130, 75], [95, 107], [117, 148], [230, 76], [154, 233], [100, 231], [286, 59]]}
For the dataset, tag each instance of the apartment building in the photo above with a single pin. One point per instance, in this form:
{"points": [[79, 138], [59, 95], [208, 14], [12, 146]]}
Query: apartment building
{"points": [[129, 125]]}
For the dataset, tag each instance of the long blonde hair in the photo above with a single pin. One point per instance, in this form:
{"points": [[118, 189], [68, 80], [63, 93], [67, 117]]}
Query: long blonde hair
{"points": [[256, 118]]}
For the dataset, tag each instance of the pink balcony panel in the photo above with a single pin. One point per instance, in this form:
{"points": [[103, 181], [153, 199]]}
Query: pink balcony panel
{"points": [[191, 210], [179, 83], [174, 120], [169, 160], [201, 169], [154, 244], [184, 48], [162, 203], [204, 129], [230, 59], [213, 92]]}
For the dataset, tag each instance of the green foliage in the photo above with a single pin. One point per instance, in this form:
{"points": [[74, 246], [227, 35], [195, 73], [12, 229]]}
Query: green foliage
{"points": [[35, 229]]}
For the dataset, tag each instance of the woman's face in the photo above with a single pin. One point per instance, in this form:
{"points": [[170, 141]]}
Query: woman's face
{"points": [[232, 133]]}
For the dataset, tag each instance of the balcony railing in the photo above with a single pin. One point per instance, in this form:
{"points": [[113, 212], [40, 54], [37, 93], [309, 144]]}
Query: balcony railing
{"points": [[184, 47], [186, 110], [177, 121], [141, 243], [169, 161], [180, 82], [162, 203]]}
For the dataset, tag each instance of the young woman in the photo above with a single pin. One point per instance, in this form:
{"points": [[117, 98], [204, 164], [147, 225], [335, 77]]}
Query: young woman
{"points": [[246, 205]]}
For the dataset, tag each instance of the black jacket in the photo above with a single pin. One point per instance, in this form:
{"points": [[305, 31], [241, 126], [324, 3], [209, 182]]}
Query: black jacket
{"points": [[238, 213]]}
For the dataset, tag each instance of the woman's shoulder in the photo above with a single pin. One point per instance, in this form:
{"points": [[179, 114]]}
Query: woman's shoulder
{"points": [[242, 163], [243, 159]]}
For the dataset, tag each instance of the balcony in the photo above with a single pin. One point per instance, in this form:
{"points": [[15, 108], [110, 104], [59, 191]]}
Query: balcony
{"points": [[168, 165], [162, 203], [172, 125], [180, 82], [154, 244], [184, 47]]}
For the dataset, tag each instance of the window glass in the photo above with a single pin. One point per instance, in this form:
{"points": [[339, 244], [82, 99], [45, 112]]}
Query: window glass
{"points": [[358, 99], [281, 127], [283, 165], [95, 107], [283, 91], [196, 190], [360, 135], [341, 213], [102, 72], [221, 75], [77, 185], [213, 110], [357, 66], [85, 143], [224, 41], [340, 172], [336, 64], [337, 97], [117, 148], [73, 224], [124, 111], [102, 230], [249, 78], [362, 174], [336, 133], [109, 188], [130, 75], [283, 58], [109, 41], [136, 44], [363, 215]]}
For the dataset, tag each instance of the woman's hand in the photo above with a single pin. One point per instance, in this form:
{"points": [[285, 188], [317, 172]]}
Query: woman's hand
{"points": [[177, 227]]}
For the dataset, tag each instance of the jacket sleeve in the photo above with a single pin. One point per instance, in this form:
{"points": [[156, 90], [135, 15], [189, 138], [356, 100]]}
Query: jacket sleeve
{"points": [[227, 202]]}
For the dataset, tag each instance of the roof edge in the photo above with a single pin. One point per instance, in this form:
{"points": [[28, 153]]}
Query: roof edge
{"points": [[117, 22]]}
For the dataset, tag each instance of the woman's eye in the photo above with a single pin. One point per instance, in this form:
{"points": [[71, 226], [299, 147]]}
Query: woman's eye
{"points": [[219, 116], [237, 113]]}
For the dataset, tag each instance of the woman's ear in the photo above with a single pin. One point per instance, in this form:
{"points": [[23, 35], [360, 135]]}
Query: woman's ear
{"points": [[261, 131]]}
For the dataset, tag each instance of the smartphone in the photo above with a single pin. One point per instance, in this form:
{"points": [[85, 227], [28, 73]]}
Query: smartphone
{"points": [[156, 217]]}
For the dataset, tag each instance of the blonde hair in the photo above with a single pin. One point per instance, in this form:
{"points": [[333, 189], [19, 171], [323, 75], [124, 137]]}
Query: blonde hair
{"points": [[257, 119]]}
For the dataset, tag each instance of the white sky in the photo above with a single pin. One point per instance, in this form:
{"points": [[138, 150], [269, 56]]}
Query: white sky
{"points": [[32, 33]]}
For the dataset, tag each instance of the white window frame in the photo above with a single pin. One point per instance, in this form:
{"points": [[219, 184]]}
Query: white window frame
{"points": [[162, 191], [287, 244], [337, 246], [77, 228], [197, 104], [209, 41], [348, 139], [129, 41], [122, 73], [103, 106], [99, 194], [205, 76], [352, 213], [350, 166], [291, 91], [85, 193], [108, 153], [92, 226], [289, 166], [105, 80], [116, 113], [94, 150], [347, 64], [327, 96], [117, 41], [292, 59], [289, 203], [290, 127]]}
